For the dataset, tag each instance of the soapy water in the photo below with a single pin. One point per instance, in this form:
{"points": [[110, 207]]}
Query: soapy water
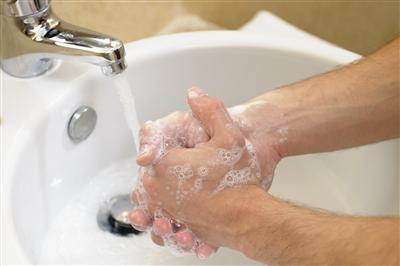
{"points": [[75, 238]]}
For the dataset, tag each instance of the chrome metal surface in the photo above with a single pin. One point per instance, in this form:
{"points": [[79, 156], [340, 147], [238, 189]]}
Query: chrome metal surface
{"points": [[20, 8], [82, 123], [30, 42], [120, 207], [113, 216]]}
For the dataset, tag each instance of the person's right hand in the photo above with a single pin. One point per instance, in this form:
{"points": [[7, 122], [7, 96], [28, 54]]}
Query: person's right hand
{"points": [[182, 130]]}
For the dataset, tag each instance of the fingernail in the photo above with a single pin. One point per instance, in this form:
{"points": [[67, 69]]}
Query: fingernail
{"points": [[184, 239], [195, 92], [148, 123], [204, 251], [144, 150], [162, 226], [139, 219]]}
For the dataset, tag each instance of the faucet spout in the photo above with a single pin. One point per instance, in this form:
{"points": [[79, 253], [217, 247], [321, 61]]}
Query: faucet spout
{"points": [[72, 42], [32, 42]]}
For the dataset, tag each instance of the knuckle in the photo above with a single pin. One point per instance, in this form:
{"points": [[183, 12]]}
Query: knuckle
{"points": [[146, 130], [179, 113], [233, 137], [142, 133], [151, 208], [176, 114], [215, 104], [148, 126], [229, 140]]}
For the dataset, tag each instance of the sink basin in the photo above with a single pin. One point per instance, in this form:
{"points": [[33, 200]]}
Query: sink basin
{"points": [[52, 187]]}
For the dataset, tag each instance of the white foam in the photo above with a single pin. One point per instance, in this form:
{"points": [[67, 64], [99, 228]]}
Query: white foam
{"points": [[202, 171], [198, 184], [237, 110], [235, 178], [74, 236], [181, 172]]}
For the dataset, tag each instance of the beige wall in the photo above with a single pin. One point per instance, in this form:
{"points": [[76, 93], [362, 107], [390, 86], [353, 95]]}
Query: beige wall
{"points": [[127, 20], [360, 26]]}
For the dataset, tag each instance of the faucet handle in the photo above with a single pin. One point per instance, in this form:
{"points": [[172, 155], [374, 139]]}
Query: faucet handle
{"points": [[21, 8]]}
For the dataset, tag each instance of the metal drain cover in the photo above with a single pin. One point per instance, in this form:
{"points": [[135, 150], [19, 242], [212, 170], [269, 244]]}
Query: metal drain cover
{"points": [[113, 216]]}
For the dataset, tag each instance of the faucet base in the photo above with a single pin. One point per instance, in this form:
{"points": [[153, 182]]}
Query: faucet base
{"points": [[27, 66]]}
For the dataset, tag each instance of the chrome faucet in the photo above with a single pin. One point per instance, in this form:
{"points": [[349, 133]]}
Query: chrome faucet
{"points": [[32, 37]]}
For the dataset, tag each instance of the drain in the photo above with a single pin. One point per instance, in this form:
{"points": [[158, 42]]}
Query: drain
{"points": [[113, 216]]}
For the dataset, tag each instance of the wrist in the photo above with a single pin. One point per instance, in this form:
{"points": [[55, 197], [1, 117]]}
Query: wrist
{"points": [[245, 218], [255, 225], [277, 119], [228, 217], [268, 229], [261, 125]]}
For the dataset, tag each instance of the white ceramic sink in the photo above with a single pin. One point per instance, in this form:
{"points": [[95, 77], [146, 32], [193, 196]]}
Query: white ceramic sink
{"points": [[44, 173]]}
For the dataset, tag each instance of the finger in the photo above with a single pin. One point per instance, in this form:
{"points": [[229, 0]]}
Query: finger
{"points": [[184, 239], [150, 185], [151, 189], [140, 203], [139, 219], [204, 251], [162, 226], [135, 197], [195, 132], [157, 239], [149, 144], [211, 112], [215, 118]]}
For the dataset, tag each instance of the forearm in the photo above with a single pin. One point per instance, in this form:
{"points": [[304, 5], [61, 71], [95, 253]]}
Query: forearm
{"points": [[276, 232], [352, 106]]}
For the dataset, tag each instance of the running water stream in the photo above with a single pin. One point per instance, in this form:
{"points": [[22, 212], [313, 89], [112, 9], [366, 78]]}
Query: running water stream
{"points": [[127, 99]]}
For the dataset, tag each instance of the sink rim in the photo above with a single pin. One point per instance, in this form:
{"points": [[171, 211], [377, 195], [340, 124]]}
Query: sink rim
{"points": [[312, 47], [136, 51]]}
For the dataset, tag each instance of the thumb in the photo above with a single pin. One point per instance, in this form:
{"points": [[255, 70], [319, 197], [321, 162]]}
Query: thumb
{"points": [[213, 115]]}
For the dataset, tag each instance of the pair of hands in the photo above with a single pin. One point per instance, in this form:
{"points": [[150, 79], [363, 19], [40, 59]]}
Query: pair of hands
{"points": [[195, 168]]}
